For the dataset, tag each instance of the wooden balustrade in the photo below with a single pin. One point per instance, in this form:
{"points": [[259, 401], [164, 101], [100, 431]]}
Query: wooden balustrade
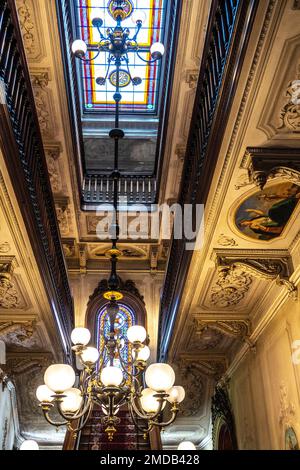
{"points": [[21, 143], [228, 30], [99, 189]]}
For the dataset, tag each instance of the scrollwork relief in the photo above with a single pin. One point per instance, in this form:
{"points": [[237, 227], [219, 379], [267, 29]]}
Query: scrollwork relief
{"points": [[9, 297], [290, 114], [230, 288], [224, 240], [52, 156], [29, 23]]}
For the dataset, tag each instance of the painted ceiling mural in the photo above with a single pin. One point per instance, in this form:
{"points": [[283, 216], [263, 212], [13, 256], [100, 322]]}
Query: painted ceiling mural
{"points": [[143, 98], [264, 215]]}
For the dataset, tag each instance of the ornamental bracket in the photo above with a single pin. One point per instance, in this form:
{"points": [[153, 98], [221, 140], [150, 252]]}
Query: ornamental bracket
{"points": [[265, 164], [269, 269]]}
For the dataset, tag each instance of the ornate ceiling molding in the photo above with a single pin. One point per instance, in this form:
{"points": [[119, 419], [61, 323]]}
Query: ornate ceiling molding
{"points": [[234, 328], [53, 152], [30, 22], [9, 296], [25, 363], [230, 288], [257, 265], [22, 330], [266, 164]]}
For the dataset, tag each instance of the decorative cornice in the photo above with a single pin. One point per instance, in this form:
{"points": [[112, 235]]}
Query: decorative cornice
{"points": [[24, 363], [235, 328], [265, 164], [269, 269]]}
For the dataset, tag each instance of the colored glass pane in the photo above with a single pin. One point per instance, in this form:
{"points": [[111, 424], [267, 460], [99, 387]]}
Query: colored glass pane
{"points": [[142, 98], [124, 320]]}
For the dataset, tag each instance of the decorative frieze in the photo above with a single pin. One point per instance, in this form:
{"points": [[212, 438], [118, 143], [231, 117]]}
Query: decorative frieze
{"points": [[29, 23]]}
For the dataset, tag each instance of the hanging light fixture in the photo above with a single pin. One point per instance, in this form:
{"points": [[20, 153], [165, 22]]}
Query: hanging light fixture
{"points": [[118, 44], [109, 386], [106, 380]]}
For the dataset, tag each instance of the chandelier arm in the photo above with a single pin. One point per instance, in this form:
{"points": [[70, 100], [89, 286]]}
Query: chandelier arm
{"points": [[82, 425], [145, 60], [139, 428], [92, 59], [50, 421], [171, 420], [138, 29]]}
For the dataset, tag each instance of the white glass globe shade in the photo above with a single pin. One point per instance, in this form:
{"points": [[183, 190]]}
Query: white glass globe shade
{"points": [[142, 355], [90, 355], [79, 48], [160, 377], [136, 334], [186, 445], [29, 445], [157, 50], [176, 394], [72, 401], [149, 402], [111, 376], [138, 15], [80, 336], [59, 377], [44, 394]]}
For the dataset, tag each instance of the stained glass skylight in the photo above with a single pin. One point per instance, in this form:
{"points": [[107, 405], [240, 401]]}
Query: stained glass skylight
{"points": [[143, 98]]}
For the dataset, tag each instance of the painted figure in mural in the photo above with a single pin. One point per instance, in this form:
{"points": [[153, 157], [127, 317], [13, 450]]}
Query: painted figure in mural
{"points": [[269, 221]]}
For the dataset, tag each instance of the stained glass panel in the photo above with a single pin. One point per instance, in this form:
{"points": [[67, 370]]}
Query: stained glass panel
{"points": [[143, 98], [124, 320]]}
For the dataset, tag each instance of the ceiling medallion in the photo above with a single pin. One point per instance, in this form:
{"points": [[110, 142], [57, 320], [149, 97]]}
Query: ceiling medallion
{"points": [[123, 9], [124, 78]]}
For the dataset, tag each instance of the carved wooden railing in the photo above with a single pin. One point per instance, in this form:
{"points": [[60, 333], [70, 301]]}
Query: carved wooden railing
{"points": [[99, 189], [21, 143], [228, 30]]}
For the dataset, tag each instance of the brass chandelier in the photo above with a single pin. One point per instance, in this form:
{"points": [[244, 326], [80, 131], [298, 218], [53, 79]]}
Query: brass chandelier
{"points": [[101, 382]]}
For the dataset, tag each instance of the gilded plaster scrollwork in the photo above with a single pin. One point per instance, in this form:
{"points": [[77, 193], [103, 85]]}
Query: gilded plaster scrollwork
{"points": [[204, 339], [234, 328], [230, 288], [290, 114], [224, 240], [64, 216], [18, 332], [266, 164], [266, 269], [9, 297], [52, 156], [29, 23]]}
